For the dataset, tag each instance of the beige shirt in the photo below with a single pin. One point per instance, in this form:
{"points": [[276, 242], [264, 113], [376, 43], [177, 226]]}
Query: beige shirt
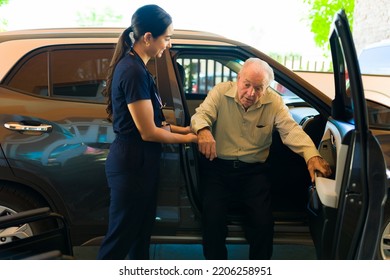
{"points": [[247, 135]]}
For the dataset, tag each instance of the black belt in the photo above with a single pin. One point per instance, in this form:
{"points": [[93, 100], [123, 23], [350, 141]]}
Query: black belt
{"points": [[235, 163]]}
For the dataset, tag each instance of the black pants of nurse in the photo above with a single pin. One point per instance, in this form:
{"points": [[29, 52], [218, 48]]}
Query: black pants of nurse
{"points": [[223, 182]]}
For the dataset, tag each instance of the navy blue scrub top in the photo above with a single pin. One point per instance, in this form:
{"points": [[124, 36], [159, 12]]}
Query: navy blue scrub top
{"points": [[132, 82]]}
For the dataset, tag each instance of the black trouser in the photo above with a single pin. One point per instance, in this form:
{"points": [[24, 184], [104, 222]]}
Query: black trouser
{"points": [[224, 182]]}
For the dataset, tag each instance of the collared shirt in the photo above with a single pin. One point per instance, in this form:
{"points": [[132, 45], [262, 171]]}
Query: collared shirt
{"points": [[246, 135]]}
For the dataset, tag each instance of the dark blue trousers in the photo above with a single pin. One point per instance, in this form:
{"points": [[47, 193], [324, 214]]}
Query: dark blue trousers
{"points": [[132, 169]]}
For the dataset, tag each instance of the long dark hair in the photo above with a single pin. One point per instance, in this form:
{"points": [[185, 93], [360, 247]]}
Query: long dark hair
{"points": [[148, 18]]}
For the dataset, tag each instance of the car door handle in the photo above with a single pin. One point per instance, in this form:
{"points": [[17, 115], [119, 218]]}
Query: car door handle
{"points": [[33, 126]]}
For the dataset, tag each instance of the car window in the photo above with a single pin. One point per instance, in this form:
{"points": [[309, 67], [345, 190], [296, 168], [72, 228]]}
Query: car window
{"points": [[289, 97], [76, 73], [200, 73], [79, 74], [194, 69], [378, 115], [31, 76]]}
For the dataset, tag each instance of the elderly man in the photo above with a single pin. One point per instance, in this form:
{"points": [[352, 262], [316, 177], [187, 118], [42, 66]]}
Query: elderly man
{"points": [[234, 125]]}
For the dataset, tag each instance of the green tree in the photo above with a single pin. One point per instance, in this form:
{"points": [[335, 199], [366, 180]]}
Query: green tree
{"points": [[320, 17], [3, 22], [95, 18]]}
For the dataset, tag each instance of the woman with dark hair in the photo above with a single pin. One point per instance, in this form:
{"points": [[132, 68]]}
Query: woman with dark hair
{"points": [[134, 107]]}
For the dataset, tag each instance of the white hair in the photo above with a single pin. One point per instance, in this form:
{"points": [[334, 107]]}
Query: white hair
{"points": [[263, 66]]}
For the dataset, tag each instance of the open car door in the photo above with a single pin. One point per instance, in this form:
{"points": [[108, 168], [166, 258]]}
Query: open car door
{"points": [[348, 208]]}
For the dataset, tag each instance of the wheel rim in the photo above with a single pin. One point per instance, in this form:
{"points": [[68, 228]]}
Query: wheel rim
{"points": [[385, 243], [10, 234]]}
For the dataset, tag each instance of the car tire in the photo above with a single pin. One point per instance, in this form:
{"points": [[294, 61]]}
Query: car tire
{"points": [[384, 245], [14, 199]]}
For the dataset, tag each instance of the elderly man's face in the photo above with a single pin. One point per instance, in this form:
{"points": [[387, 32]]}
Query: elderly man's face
{"points": [[251, 83]]}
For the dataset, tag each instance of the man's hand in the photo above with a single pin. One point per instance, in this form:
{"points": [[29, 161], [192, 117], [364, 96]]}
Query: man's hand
{"points": [[320, 165], [207, 144]]}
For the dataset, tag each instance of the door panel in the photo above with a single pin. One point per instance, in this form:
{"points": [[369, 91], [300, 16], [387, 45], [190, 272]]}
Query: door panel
{"points": [[51, 160], [348, 223]]}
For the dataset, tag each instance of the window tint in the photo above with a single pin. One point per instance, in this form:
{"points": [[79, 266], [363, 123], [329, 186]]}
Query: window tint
{"points": [[79, 74], [73, 74], [282, 90], [32, 76], [201, 73], [378, 115]]}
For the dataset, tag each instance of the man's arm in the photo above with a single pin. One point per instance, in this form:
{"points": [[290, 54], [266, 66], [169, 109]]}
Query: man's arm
{"points": [[206, 143], [202, 121]]}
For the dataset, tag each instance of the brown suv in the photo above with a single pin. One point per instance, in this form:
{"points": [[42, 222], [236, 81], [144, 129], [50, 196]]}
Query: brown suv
{"points": [[54, 134]]}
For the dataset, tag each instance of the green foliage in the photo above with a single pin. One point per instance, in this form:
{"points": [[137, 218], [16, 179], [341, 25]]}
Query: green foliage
{"points": [[93, 18], [3, 22], [320, 16]]}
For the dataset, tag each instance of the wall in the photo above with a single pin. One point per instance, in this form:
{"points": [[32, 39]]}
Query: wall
{"points": [[371, 22]]}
